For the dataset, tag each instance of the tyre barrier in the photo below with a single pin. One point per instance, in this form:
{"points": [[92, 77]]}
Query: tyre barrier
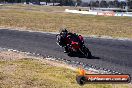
{"points": [[101, 13]]}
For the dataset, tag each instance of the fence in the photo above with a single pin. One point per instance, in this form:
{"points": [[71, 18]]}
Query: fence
{"points": [[102, 13]]}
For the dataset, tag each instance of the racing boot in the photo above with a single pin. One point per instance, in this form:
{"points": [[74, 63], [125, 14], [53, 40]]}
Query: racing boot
{"points": [[66, 49]]}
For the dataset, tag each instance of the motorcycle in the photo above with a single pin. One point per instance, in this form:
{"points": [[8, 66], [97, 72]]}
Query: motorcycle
{"points": [[74, 47]]}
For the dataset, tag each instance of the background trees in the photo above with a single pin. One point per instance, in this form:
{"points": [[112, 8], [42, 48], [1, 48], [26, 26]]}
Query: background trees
{"points": [[102, 4]]}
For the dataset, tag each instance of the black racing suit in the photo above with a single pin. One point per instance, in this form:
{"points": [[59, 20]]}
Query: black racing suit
{"points": [[68, 38]]}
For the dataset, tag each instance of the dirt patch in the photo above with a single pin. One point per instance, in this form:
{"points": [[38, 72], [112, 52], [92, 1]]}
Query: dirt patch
{"points": [[9, 55]]}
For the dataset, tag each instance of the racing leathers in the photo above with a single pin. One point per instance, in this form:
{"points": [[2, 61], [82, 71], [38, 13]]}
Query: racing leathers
{"points": [[67, 38]]}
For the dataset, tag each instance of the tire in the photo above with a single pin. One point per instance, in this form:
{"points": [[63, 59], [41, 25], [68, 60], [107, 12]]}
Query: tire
{"points": [[86, 52], [58, 38], [81, 80], [59, 42]]}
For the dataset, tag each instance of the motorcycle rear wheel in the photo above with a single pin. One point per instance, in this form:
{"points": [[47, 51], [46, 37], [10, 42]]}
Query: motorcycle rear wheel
{"points": [[86, 52]]}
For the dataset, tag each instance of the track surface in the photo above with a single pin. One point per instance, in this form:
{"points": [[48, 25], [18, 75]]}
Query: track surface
{"points": [[114, 54]]}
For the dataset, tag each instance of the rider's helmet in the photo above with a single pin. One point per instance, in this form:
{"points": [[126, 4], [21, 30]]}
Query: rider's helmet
{"points": [[64, 32]]}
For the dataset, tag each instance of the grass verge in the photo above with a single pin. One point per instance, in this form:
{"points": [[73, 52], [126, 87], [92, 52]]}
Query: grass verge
{"points": [[51, 19], [31, 73]]}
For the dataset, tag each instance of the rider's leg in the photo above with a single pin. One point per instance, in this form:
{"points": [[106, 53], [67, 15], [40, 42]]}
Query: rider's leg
{"points": [[66, 49]]}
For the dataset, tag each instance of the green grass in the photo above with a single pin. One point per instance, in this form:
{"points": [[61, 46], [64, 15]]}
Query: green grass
{"points": [[29, 73], [51, 19]]}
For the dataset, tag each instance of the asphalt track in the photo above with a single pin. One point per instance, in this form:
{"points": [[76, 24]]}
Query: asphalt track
{"points": [[108, 53]]}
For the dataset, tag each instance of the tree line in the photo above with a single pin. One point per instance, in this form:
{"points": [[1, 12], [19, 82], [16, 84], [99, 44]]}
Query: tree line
{"points": [[109, 4], [62, 2], [103, 3]]}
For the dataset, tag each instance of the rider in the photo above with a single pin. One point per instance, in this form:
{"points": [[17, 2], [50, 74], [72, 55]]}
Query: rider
{"points": [[67, 37]]}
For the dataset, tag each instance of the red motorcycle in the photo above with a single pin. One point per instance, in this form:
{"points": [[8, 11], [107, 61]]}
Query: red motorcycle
{"points": [[73, 46]]}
